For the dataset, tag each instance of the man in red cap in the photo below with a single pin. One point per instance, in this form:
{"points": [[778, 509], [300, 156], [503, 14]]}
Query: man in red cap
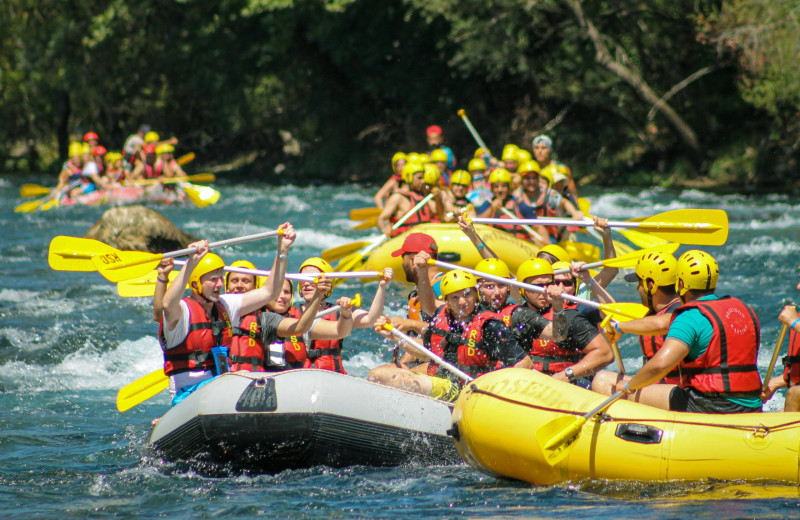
{"points": [[436, 140], [416, 322]]}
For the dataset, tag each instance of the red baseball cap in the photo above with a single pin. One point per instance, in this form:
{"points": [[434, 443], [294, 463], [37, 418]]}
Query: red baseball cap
{"points": [[416, 242], [434, 130]]}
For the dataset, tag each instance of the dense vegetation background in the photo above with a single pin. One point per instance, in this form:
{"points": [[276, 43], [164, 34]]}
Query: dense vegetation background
{"points": [[639, 92]]}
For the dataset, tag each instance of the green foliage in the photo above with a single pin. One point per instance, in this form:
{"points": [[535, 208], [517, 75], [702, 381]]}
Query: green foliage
{"points": [[332, 88]]}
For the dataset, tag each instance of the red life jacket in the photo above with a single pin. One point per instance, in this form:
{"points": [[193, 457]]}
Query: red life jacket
{"points": [[652, 344], [247, 347], [544, 210], [325, 354], [515, 230], [425, 213], [204, 334], [791, 362], [548, 357], [728, 366], [464, 351]]}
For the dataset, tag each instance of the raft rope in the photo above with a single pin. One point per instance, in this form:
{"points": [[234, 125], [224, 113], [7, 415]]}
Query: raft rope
{"points": [[763, 429]]}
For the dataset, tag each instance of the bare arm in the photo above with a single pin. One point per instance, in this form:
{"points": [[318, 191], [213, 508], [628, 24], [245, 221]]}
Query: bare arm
{"points": [[363, 319], [469, 229], [162, 279], [258, 298], [297, 327]]}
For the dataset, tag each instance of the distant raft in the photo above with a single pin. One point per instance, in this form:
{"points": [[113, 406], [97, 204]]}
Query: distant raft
{"points": [[455, 247], [497, 416]]}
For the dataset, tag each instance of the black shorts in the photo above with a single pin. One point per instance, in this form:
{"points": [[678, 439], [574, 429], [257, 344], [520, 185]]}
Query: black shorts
{"points": [[690, 400]]}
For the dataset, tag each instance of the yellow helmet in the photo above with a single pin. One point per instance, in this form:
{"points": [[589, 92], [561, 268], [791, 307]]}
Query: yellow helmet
{"points": [[476, 165], [698, 270], [75, 149], [530, 166], [317, 262], [548, 172], [210, 262], [658, 267], [410, 169], [461, 177], [500, 175], [259, 280], [480, 152], [399, 156], [557, 251], [439, 155], [493, 266], [522, 155], [457, 280], [510, 152], [531, 268], [151, 137], [431, 174]]}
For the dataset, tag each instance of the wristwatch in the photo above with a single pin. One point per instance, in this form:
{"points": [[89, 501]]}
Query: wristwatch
{"points": [[570, 374]]}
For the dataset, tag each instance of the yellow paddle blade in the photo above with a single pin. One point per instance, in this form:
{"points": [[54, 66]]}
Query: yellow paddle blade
{"points": [[33, 190], [30, 206], [186, 159], [143, 286], [141, 390], [338, 252], [632, 258], [622, 310], [555, 437], [125, 265], [53, 203], [75, 254], [581, 252], [364, 213], [708, 227], [201, 196], [367, 224]]}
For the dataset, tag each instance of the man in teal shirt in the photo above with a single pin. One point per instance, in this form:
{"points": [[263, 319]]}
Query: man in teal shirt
{"points": [[714, 343]]}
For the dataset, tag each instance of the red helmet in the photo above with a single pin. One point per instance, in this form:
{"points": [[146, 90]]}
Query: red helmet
{"points": [[434, 130], [88, 136], [98, 150], [149, 148]]}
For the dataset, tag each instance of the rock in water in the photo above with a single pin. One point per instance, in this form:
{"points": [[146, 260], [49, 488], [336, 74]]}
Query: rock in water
{"points": [[137, 228]]}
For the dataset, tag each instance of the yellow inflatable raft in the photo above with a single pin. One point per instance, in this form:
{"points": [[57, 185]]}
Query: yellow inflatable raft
{"points": [[456, 248], [496, 418]]}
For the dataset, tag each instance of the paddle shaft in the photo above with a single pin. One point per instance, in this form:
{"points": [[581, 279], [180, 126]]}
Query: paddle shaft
{"points": [[515, 283], [472, 130], [529, 230], [781, 337], [422, 349], [374, 245], [223, 243], [676, 226]]}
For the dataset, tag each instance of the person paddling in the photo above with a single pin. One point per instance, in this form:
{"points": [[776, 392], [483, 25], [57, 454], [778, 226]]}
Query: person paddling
{"points": [[712, 340], [791, 363], [192, 327]]}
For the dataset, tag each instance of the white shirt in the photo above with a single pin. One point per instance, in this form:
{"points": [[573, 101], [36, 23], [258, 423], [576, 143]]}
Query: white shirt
{"points": [[176, 336]]}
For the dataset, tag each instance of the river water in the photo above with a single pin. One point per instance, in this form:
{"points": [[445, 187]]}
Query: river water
{"points": [[68, 343]]}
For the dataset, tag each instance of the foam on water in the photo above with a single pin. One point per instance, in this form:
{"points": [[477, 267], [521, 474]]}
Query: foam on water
{"points": [[87, 369]]}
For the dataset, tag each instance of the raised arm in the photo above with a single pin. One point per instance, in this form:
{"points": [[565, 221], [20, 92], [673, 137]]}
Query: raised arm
{"points": [[258, 298], [363, 319]]}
